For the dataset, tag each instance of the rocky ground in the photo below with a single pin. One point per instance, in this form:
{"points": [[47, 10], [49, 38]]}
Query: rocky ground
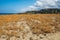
{"points": [[30, 27]]}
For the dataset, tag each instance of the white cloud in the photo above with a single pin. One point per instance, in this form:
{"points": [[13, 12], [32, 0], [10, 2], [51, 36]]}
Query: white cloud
{"points": [[24, 10], [46, 3], [31, 8], [39, 4]]}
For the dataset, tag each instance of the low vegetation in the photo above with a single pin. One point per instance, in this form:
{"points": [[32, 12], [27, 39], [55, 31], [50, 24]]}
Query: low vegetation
{"points": [[28, 26]]}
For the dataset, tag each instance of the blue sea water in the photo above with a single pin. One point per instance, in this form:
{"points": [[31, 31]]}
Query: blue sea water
{"points": [[6, 13]]}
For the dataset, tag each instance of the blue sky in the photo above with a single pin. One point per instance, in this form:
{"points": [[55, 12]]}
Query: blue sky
{"points": [[17, 6], [14, 6]]}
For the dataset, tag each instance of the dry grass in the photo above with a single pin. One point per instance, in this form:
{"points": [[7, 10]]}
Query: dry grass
{"points": [[12, 25]]}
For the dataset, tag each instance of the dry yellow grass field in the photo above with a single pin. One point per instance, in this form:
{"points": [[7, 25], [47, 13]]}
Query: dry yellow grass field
{"points": [[12, 25]]}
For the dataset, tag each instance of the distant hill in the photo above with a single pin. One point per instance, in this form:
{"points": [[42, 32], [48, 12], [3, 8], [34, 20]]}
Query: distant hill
{"points": [[42, 11], [45, 11]]}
